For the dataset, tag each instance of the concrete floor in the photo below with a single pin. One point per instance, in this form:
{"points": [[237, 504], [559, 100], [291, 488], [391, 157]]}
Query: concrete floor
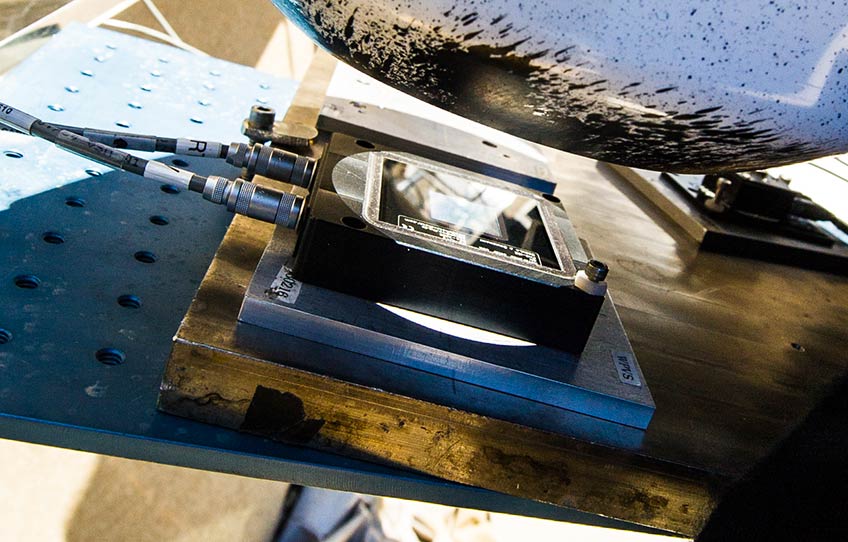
{"points": [[16, 14], [54, 495]]}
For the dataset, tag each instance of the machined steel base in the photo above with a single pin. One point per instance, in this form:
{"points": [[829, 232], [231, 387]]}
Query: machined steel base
{"points": [[530, 385]]}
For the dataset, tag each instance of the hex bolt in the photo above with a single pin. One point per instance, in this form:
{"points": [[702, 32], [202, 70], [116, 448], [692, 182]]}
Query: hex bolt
{"points": [[261, 117], [596, 270]]}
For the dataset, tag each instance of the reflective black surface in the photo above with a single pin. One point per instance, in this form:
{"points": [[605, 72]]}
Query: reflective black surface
{"points": [[465, 212]]}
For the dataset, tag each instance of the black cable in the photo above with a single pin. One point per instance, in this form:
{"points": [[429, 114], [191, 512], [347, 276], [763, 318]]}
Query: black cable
{"points": [[86, 148], [99, 152], [239, 196], [152, 143]]}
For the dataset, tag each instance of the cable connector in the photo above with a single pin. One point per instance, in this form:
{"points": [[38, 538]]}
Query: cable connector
{"points": [[255, 201], [276, 164], [239, 196]]}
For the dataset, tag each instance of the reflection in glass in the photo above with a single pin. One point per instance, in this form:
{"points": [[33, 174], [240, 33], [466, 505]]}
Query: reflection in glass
{"points": [[459, 210]]}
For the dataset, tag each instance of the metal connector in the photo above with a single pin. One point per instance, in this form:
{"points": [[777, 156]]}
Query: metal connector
{"points": [[591, 279], [255, 201], [273, 163], [597, 270]]}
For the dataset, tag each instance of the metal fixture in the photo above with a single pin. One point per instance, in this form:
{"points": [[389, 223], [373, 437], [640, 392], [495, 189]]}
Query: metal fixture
{"points": [[596, 270], [273, 163], [591, 279], [261, 117], [239, 196], [255, 201], [752, 214], [259, 159]]}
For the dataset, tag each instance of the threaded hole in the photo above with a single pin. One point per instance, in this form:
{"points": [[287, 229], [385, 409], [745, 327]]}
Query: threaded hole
{"points": [[129, 301], [5, 336], [27, 282], [169, 189], [110, 356], [353, 222], [12, 154], [74, 201], [145, 256], [93, 172], [160, 220], [53, 238]]}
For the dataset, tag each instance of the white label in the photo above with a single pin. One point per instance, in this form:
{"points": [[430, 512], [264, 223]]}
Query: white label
{"points": [[194, 147], [626, 367], [284, 288], [158, 171], [413, 224], [17, 119]]}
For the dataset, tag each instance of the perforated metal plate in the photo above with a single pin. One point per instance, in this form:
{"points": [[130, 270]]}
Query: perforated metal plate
{"points": [[102, 79], [97, 273]]}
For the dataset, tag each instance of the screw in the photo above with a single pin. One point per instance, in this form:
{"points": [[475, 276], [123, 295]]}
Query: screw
{"points": [[596, 270], [261, 117]]}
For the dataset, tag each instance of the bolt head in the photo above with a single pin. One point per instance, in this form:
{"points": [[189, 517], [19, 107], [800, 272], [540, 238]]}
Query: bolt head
{"points": [[261, 117], [596, 270]]}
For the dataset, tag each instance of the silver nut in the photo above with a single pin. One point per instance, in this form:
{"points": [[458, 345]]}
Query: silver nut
{"points": [[597, 271]]}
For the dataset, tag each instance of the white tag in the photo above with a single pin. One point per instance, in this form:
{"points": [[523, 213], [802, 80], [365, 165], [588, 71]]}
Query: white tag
{"points": [[626, 367], [15, 118], [158, 171], [284, 288], [193, 147]]}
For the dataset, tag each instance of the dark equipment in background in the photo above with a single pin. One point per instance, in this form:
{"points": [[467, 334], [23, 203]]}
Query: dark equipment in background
{"points": [[749, 214]]}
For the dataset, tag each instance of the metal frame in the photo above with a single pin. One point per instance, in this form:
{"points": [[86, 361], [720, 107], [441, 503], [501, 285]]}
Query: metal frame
{"points": [[371, 213]]}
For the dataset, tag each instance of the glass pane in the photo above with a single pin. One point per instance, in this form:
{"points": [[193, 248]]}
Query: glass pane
{"points": [[466, 212]]}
